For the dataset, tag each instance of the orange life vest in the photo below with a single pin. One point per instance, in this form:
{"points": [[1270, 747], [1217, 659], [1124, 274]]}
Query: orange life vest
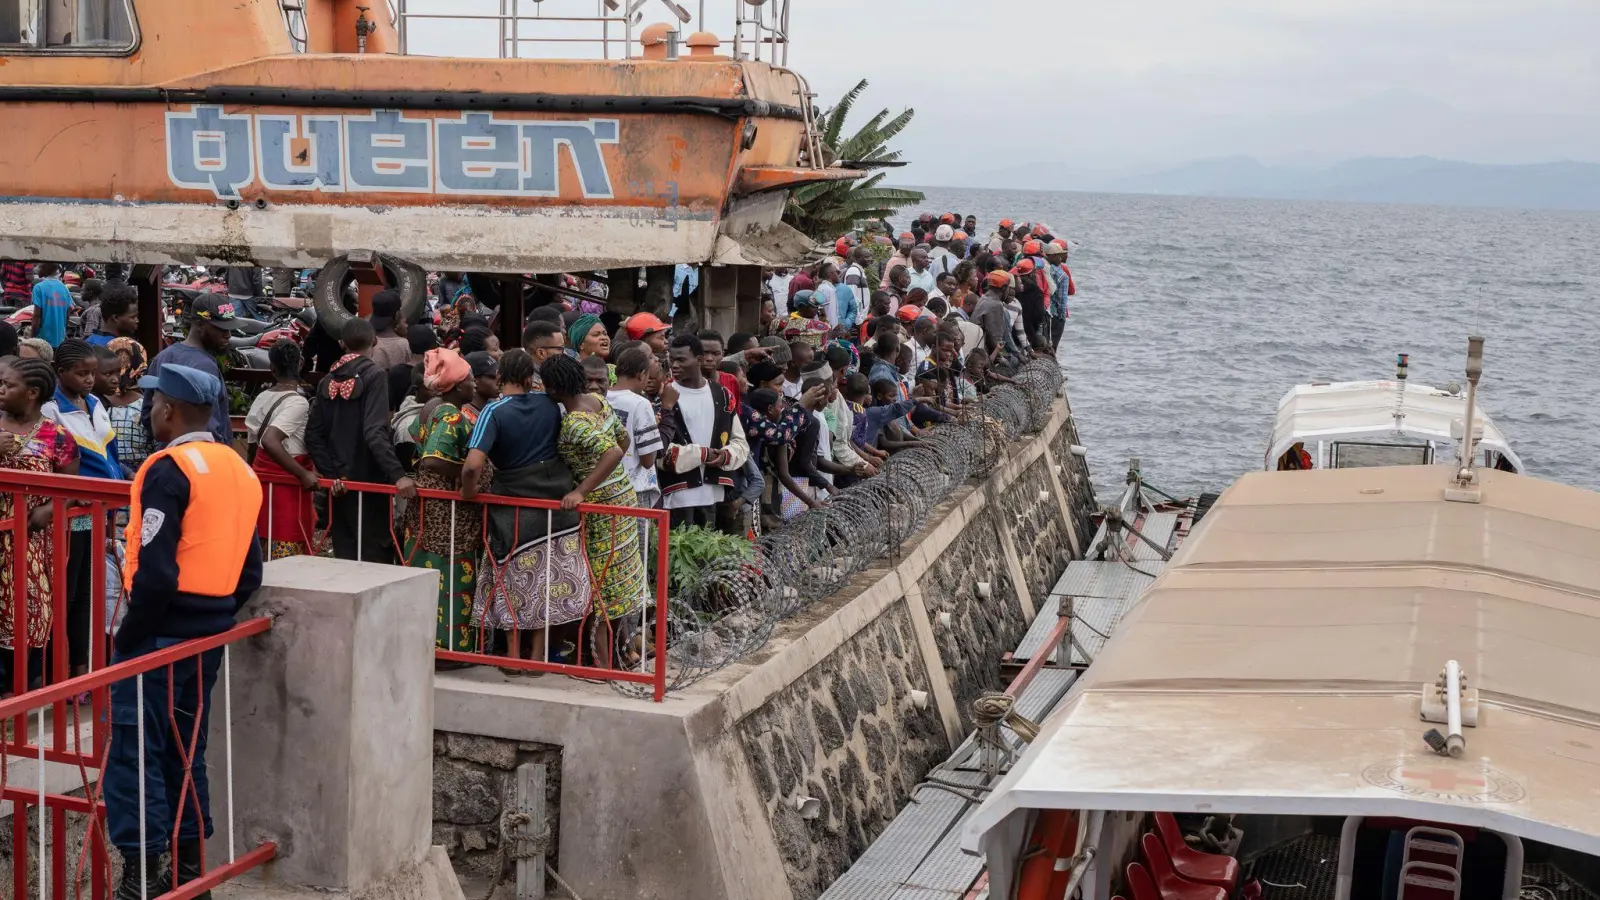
{"points": [[217, 527]]}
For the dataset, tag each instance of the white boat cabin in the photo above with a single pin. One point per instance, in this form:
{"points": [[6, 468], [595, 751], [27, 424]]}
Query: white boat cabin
{"points": [[1259, 724], [1360, 424]]}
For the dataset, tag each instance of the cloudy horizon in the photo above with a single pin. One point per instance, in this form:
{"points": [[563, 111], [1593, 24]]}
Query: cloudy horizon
{"points": [[1122, 88]]}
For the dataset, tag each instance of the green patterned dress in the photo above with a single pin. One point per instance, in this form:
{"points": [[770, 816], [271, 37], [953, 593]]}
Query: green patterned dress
{"points": [[616, 564], [428, 529]]}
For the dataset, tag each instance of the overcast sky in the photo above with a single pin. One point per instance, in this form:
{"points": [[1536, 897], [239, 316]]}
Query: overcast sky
{"points": [[1132, 84]]}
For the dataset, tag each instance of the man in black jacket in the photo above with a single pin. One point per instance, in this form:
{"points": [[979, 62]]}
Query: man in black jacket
{"points": [[349, 437]]}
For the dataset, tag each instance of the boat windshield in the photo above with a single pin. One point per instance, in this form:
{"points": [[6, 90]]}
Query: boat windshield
{"points": [[1363, 455]]}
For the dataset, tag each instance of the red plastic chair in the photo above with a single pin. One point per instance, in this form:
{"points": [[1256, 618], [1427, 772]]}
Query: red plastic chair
{"points": [[1169, 883], [1196, 865], [1139, 883]]}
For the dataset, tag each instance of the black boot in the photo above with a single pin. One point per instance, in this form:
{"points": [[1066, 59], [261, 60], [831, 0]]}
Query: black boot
{"points": [[189, 868], [154, 879]]}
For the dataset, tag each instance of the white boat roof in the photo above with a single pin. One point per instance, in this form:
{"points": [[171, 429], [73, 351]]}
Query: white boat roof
{"points": [[1276, 666], [1364, 410]]}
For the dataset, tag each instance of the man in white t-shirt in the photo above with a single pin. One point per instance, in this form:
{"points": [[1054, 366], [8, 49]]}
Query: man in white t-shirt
{"points": [[635, 367], [705, 442]]}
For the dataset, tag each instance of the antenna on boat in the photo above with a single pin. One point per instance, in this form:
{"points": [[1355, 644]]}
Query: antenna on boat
{"points": [[1464, 488], [1402, 369]]}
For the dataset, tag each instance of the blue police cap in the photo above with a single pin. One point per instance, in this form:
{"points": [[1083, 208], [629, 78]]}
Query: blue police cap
{"points": [[183, 383]]}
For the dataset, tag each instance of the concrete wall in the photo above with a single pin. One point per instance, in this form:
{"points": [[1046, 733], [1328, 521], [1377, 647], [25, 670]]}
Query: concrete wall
{"points": [[850, 702], [331, 734]]}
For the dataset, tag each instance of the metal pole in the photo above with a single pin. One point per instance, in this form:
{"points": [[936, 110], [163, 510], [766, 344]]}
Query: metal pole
{"points": [[1474, 372], [227, 736], [44, 813], [1454, 742], [516, 29], [144, 875], [450, 581], [549, 551], [785, 33]]}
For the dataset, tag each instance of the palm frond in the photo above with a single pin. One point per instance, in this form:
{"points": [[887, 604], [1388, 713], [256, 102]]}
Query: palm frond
{"points": [[824, 210], [833, 120]]}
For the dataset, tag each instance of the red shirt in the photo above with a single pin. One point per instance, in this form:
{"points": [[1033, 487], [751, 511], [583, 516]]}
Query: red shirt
{"points": [[801, 282]]}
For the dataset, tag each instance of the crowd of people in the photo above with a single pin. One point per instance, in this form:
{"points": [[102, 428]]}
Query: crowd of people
{"points": [[854, 357]]}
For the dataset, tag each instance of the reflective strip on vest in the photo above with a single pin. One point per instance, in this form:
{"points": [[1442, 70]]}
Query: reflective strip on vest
{"points": [[217, 526]]}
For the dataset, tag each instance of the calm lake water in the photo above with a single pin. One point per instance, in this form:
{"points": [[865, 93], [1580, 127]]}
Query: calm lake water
{"points": [[1195, 315]]}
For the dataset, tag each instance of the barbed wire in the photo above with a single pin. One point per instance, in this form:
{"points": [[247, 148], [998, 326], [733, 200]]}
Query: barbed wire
{"points": [[731, 609]]}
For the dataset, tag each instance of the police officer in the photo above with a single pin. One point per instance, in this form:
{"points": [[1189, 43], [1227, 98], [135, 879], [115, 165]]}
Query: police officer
{"points": [[193, 561]]}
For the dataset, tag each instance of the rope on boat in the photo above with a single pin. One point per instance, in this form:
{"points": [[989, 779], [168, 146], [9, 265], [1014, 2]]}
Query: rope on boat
{"points": [[993, 709]]}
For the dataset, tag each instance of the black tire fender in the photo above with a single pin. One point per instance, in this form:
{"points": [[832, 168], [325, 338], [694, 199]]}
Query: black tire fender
{"points": [[409, 280]]}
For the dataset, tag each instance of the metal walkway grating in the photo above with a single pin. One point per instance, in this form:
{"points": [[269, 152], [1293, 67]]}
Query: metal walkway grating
{"points": [[905, 845], [1103, 592], [1305, 868], [1157, 527]]}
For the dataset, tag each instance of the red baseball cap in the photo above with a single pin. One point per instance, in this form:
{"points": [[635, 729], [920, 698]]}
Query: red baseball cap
{"points": [[641, 324], [947, 218], [907, 236], [1032, 248], [908, 312], [1024, 267], [841, 246], [1006, 223]]}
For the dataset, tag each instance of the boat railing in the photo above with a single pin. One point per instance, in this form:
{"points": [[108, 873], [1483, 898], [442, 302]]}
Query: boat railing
{"points": [[588, 29]]}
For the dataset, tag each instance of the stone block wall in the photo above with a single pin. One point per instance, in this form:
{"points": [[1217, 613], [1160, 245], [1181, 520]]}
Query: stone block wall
{"points": [[1073, 472], [1028, 508], [474, 781], [850, 736], [980, 630]]}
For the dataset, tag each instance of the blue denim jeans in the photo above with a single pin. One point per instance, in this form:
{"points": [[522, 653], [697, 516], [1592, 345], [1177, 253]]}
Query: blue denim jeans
{"points": [[750, 484], [190, 681]]}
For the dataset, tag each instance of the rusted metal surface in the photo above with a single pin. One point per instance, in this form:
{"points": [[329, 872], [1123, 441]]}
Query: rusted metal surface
{"points": [[243, 152]]}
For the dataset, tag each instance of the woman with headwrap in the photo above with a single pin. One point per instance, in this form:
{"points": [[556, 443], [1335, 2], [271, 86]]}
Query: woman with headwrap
{"points": [[447, 535], [587, 335]]}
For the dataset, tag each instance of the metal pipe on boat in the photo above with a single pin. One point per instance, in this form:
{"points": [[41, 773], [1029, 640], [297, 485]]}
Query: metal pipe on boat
{"points": [[1454, 742], [1474, 372], [1089, 840]]}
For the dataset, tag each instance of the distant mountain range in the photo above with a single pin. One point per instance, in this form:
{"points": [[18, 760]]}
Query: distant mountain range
{"points": [[1417, 179]]}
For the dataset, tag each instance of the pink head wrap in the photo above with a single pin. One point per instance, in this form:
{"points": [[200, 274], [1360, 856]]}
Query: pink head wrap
{"points": [[443, 369]]}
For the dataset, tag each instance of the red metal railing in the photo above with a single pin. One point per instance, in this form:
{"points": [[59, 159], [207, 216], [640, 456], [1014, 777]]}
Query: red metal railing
{"points": [[91, 871], [63, 709], [602, 664]]}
